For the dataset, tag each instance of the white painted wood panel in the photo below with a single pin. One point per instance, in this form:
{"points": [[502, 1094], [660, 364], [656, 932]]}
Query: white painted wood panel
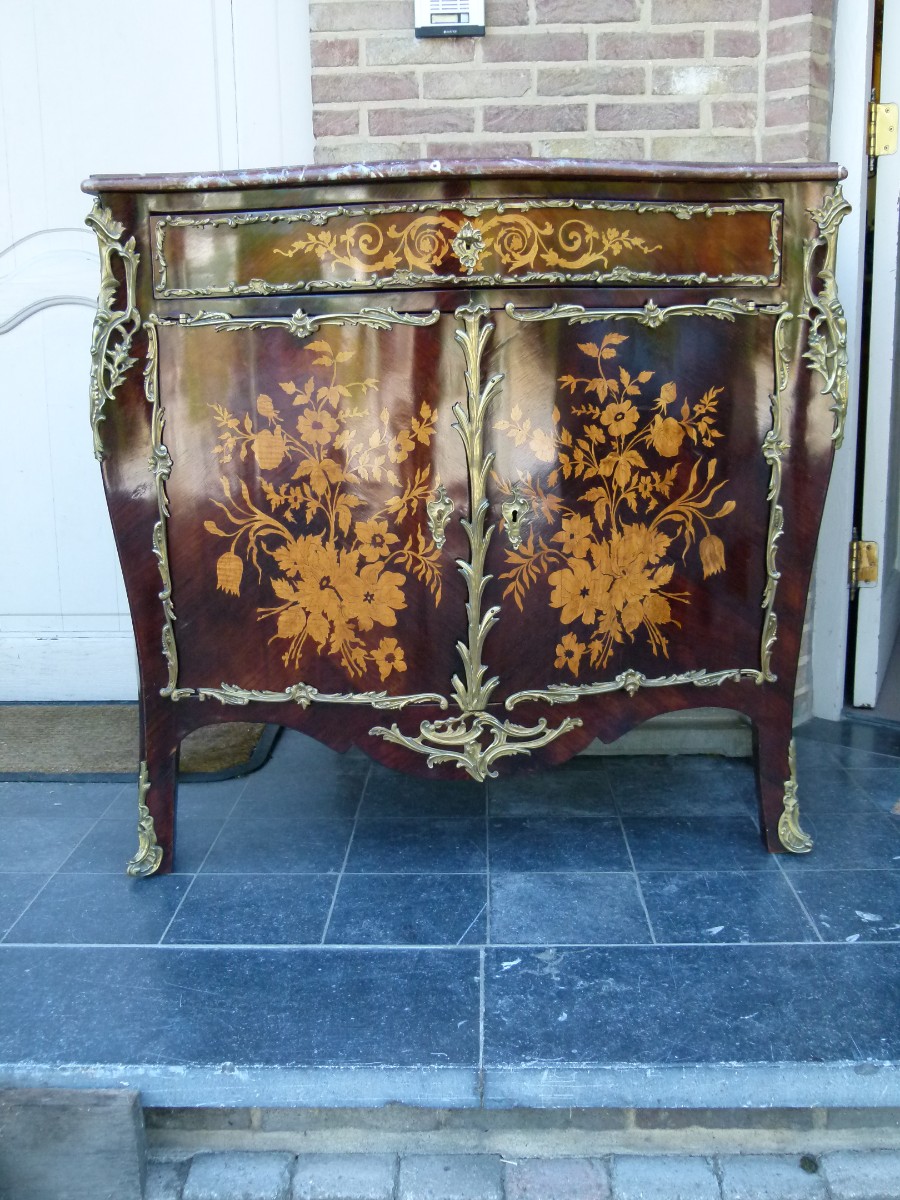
{"points": [[102, 86]]}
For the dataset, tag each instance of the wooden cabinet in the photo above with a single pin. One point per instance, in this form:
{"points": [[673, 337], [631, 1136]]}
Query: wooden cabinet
{"points": [[467, 464]]}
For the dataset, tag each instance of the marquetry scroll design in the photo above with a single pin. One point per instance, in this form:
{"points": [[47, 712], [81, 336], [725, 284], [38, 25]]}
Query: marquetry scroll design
{"points": [[149, 853], [114, 328], [338, 582], [827, 353], [474, 740], [616, 585], [492, 242], [792, 837]]}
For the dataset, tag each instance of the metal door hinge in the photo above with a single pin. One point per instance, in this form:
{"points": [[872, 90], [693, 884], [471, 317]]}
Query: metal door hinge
{"points": [[863, 564], [883, 124]]}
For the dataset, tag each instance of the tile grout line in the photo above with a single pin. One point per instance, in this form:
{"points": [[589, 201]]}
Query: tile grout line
{"points": [[481, 965], [393, 947], [487, 863], [337, 886], [786, 877]]}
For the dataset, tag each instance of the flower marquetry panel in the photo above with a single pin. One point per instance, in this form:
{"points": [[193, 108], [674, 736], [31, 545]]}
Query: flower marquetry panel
{"points": [[302, 472], [637, 455]]}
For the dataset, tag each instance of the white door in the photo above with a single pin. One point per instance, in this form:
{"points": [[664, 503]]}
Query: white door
{"points": [[878, 609], [102, 86]]}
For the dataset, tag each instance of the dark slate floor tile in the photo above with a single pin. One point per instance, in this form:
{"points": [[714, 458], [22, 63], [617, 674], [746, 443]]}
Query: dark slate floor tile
{"points": [[677, 1005], [114, 840], [827, 789], [57, 799], [881, 786], [696, 844], [315, 792], [861, 736], [285, 1008], [419, 846], [683, 786], [40, 843], [207, 801], [845, 842], [389, 794], [277, 845], [724, 906], [107, 909], [852, 906], [16, 893], [298, 751], [578, 789], [254, 910], [540, 909], [409, 910], [564, 844]]}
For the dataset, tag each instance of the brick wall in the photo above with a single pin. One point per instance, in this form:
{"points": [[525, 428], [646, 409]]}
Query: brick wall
{"points": [[745, 80]]}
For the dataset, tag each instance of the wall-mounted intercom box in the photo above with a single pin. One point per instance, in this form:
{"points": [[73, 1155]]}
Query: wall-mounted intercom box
{"points": [[449, 18]]}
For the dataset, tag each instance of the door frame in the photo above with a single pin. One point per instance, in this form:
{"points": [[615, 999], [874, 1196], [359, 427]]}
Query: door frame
{"points": [[853, 39]]}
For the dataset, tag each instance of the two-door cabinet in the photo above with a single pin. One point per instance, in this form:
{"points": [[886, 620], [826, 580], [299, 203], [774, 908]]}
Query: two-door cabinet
{"points": [[467, 463]]}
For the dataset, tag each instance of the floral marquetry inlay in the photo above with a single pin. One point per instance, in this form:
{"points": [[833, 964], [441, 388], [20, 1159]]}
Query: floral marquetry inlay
{"points": [[335, 567], [632, 487]]}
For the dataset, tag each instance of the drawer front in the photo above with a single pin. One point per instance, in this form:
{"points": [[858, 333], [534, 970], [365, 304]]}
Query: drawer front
{"points": [[477, 243]]}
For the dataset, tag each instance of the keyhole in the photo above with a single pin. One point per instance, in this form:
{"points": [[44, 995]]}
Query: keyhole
{"points": [[514, 516]]}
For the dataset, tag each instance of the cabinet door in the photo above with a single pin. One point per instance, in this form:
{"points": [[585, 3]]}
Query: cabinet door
{"points": [[637, 459], [314, 485]]}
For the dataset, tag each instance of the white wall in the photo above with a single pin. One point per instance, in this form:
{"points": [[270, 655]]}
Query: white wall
{"points": [[102, 86]]}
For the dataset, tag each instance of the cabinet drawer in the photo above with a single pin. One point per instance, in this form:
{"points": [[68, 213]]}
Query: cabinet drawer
{"points": [[480, 243]]}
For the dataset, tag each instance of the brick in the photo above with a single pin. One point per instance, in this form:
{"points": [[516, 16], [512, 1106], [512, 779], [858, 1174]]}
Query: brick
{"points": [[585, 12], [469, 85], [863, 1118], [708, 148], [367, 151], [734, 114], [642, 47], [197, 1118], [790, 147], [723, 1118], [537, 118], [360, 15], [797, 110], [504, 13], [651, 115], [335, 87], [485, 148], [239, 1175], [392, 52], [801, 8], [591, 146], [335, 52], [768, 1177], [698, 12], [591, 81], [449, 1177], [344, 1177], [789, 73], [335, 122], [799, 37], [557, 1179], [736, 43], [421, 120], [663, 1177], [534, 47], [874, 1175], [703, 80]]}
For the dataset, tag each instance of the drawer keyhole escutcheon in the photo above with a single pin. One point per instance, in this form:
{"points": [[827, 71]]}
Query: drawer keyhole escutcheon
{"points": [[515, 510], [439, 508]]}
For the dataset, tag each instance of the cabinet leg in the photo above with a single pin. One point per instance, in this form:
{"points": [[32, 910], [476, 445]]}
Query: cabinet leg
{"points": [[776, 770], [157, 783]]}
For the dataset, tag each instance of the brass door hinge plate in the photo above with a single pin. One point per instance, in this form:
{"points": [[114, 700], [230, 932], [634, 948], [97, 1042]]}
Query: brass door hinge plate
{"points": [[863, 564], [883, 125]]}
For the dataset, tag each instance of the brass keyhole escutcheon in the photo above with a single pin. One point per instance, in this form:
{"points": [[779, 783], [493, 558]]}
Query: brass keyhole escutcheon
{"points": [[439, 509], [515, 509]]}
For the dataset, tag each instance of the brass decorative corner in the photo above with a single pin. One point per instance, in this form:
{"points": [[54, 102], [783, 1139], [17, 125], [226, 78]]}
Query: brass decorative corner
{"points": [[791, 835], [114, 328], [827, 353], [149, 853]]}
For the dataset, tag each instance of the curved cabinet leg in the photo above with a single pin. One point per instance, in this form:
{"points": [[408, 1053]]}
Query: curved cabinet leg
{"points": [[776, 768], [157, 785]]}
